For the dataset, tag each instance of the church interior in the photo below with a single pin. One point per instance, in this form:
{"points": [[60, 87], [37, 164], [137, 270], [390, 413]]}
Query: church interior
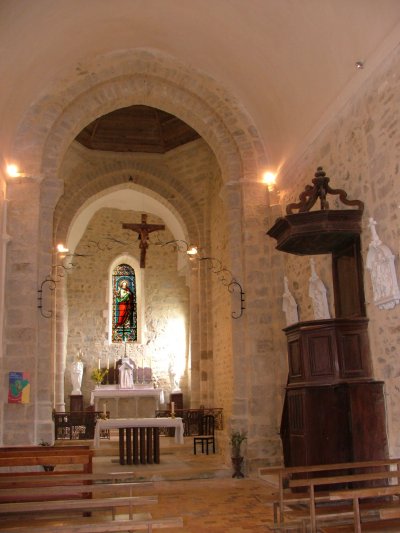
{"points": [[200, 209]]}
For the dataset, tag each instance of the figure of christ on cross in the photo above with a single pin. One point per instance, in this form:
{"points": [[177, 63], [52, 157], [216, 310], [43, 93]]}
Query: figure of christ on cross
{"points": [[143, 231]]}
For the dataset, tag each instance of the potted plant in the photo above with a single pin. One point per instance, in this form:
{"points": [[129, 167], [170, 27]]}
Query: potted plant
{"points": [[98, 375], [236, 440]]}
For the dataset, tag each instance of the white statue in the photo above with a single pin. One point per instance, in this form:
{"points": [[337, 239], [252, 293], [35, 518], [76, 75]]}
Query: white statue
{"points": [[317, 293], [380, 262], [76, 376], [173, 379], [289, 305], [126, 373]]}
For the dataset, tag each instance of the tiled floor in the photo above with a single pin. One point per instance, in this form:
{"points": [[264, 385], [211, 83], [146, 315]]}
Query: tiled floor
{"points": [[198, 488]]}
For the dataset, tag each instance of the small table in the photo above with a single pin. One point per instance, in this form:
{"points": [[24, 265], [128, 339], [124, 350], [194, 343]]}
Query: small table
{"points": [[139, 438]]}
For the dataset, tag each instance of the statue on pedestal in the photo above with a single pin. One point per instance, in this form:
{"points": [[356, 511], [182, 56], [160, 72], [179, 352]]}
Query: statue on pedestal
{"points": [[126, 373], [76, 375], [317, 293], [289, 305]]}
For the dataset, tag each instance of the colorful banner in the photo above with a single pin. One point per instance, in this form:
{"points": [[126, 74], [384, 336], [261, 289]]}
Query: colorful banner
{"points": [[18, 387]]}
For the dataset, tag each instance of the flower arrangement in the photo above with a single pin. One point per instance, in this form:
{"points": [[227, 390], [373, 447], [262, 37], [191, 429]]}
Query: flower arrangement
{"points": [[237, 437], [98, 375]]}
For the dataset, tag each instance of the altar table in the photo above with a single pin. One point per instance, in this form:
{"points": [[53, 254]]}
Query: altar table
{"points": [[114, 393], [139, 438]]}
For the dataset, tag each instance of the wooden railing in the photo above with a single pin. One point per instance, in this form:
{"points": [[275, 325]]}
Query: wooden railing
{"points": [[77, 425], [192, 419]]}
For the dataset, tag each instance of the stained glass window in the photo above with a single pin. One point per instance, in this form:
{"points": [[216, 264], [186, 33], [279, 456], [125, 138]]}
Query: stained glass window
{"points": [[124, 312]]}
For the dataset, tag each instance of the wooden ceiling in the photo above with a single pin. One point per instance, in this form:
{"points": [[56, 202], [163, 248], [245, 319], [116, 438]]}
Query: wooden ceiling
{"points": [[137, 128]]}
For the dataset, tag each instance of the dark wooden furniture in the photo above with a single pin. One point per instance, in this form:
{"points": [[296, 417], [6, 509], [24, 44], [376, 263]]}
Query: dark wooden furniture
{"points": [[76, 402], [65, 459], [139, 445], [334, 410], [78, 425], [207, 435], [177, 398], [192, 419]]}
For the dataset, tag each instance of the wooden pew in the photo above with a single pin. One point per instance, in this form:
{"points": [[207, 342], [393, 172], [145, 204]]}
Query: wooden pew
{"points": [[56, 492], [64, 505], [374, 493], [328, 475], [50, 479], [73, 475], [62, 458], [139, 522]]}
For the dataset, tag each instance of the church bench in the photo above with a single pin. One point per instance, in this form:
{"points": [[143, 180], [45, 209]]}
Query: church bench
{"points": [[377, 495], [64, 458], [34, 479], [57, 492], [66, 506], [138, 522], [296, 486]]}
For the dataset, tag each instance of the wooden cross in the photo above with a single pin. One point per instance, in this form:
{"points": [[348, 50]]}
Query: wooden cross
{"points": [[143, 231]]}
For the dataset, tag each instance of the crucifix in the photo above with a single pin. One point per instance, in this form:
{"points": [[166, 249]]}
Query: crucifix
{"points": [[143, 230]]}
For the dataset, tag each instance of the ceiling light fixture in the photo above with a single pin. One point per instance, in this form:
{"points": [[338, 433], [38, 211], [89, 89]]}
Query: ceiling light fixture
{"points": [[359, 65]]}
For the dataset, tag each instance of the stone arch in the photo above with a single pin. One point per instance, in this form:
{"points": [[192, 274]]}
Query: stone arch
{"points": [[146, 179], [138, 77], [151, 78]]}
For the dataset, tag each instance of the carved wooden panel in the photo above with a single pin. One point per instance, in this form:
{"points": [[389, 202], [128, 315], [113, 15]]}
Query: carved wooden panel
{"points": [[335, 423], [321, 355], [296, 412], [295, 360]]}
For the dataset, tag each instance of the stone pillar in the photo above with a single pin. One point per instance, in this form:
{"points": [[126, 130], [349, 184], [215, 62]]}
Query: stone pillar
{"points": [[27, 334], [60, 323], [5, 239], [257, 359]]}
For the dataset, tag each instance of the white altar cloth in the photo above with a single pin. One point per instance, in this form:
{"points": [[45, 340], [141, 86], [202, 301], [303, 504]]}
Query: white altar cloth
{"points": [[116, 423], [115, 393]]}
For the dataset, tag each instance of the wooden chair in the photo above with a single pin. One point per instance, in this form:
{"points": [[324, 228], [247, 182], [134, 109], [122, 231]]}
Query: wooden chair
{"points": [[206, 436]]}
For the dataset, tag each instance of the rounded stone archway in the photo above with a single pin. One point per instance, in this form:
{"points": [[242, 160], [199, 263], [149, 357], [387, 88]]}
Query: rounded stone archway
{"points": [[150, 78]]}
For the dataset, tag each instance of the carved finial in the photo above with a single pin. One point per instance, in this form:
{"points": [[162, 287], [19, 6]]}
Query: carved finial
{"points": [[319, 190]]}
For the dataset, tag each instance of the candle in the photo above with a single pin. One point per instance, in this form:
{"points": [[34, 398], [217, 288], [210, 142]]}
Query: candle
{"points": [[108, 363], [172, 408], [115, 364], [99, 363], [104, 409]]}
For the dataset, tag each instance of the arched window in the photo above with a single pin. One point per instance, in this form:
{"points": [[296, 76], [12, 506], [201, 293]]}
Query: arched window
{"points": [[124, 308]]}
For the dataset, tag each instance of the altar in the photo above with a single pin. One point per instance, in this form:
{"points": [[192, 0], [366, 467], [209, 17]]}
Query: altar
{"points": [[140, 401]]}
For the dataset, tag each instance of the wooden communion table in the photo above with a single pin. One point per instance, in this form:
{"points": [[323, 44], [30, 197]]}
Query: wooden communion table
{"points": [[139, 438]]}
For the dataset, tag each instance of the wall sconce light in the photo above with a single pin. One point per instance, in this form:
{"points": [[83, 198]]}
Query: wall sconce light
{"points": [[269, 178], [13, 171], [61, 249], [192, 250]]}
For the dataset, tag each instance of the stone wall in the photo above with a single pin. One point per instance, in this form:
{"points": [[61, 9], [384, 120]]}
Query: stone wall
{"points": [[360, 152], [164, 297], [220, 356]]}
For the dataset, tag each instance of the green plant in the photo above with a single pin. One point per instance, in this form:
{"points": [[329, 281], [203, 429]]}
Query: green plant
{"points": [[236, 440], [98, 375]]}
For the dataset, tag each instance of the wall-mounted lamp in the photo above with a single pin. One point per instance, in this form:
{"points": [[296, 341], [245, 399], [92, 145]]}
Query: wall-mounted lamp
{"points": [[269, 178], [192, 250], [13, 171], [61, 249]]}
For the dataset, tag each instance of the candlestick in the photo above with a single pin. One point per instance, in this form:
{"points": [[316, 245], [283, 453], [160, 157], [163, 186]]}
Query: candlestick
{"points": [[172, 408]]}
